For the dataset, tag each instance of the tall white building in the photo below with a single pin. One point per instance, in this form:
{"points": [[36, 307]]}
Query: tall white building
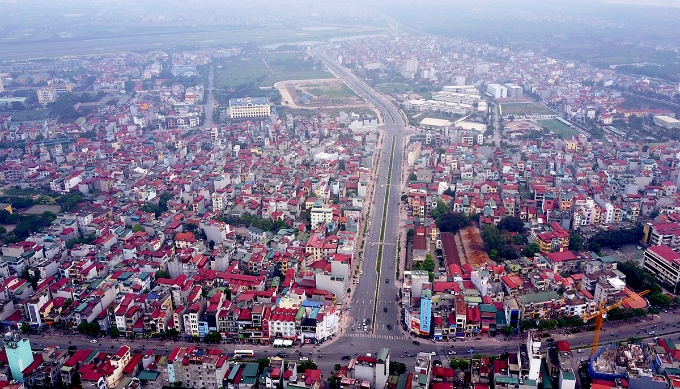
{"points": [[411, 66], [497, 91], [46, 95], [530, 356], [2, 87], [514, 90]]}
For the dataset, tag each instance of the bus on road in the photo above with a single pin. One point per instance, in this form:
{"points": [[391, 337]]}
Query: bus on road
{"points": [[243, 353]]}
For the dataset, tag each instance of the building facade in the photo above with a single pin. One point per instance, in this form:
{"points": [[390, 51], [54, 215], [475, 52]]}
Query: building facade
{"points": [[249, 107]]}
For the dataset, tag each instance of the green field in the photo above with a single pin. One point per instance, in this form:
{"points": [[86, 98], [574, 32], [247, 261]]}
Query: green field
{"points": [[268, 69], [558, 127], [331, 91], [25, 116], [521, 109]]}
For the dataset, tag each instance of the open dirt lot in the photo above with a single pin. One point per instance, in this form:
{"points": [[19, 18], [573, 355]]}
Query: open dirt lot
{"points": [[319, 93]]}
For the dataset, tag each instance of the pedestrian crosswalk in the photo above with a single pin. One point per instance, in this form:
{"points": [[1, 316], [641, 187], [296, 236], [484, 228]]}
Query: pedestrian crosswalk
{"points": [[373, 336]]}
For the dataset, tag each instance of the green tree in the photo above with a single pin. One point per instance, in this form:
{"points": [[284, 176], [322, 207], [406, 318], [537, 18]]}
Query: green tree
{"points": [[262, 363], [172, 333], [305, 365], [454, 363], [152, 208], [576, 241], [397, 368], [492, 237], [463, 364], [114, 332], [512, 224], [137, 228], [594, 247], [452, 222], [162, 274], [25, 327], [341, 165], [428, 264], [440, 210], [530, 250], [518, 239], [30, 275], [45, 200], [412, 177], [213, 337]]}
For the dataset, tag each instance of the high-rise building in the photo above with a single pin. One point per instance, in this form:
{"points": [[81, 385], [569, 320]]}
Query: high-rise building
{"points": [[47, 95], [481, 68], [19, 354], [514, 90], [497, 91], [2, 87]]}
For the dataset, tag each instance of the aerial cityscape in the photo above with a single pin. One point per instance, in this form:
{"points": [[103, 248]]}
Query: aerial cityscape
{"points": [[340, 194]]}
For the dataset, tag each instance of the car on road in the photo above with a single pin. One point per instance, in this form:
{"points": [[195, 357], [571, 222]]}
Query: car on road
{"points": [[372, 244], [387, 280], [451, 352], [389, 327], [433, 353], [417, 343], [304, 359], [93, 341], [470, 351], [384, 309], [346, 358], [580, 350], [281, 355], [361, 272], [382, 186]]}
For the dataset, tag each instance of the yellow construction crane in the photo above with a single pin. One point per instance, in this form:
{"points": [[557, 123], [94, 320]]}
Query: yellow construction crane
{"points": [[599, 316]]}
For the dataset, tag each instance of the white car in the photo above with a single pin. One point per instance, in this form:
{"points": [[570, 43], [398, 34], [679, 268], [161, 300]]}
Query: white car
{"points": [[433, 353], [372, 244], [361, 272], [304, 359], [93, 341]]}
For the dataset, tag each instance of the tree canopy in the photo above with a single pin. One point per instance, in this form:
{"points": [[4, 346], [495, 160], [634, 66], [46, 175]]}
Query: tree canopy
{"points": [[616, 239], [512, 224]]}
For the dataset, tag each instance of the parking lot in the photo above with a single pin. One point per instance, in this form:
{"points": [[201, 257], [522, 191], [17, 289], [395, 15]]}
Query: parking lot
{"points": [[625, 253]]}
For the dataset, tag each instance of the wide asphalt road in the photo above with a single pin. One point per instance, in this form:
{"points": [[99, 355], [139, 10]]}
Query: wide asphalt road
{"points": [[378, 280]]}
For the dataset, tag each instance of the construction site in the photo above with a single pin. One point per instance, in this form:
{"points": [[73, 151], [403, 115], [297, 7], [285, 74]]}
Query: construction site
{"points": [[620, 361]]}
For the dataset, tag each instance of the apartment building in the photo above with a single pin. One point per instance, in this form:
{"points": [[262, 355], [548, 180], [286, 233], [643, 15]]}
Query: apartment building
{"points": [[663, 263], [197, 368]]}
